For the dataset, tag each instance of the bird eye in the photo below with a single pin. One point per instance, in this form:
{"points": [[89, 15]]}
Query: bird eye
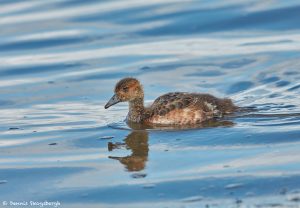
{"points": [[125, 89]]}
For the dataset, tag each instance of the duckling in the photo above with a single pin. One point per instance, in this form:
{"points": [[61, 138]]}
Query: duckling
{"points": [[175, 108]]}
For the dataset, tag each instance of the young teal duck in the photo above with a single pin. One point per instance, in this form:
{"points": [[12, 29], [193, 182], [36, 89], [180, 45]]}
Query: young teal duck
{"points": [[175, 108]]}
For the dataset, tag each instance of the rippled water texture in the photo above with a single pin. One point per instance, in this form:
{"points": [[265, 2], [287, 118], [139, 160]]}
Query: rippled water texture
{"points": [[60, 59]]}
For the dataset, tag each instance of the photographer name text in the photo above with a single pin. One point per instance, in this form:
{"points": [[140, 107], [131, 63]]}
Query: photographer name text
{"points": [[31, 203]]}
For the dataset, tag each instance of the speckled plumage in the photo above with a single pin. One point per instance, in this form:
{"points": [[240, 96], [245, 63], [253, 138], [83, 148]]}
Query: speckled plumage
{"points": [[177, 108]]}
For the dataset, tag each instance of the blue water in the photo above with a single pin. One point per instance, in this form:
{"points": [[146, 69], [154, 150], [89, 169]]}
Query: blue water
{"points": [[61, 59]]}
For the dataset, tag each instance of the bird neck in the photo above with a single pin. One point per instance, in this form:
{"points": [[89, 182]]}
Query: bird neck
{"points": [[136, 110]]}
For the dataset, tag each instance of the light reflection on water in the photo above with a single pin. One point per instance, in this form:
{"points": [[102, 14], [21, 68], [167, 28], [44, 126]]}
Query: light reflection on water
{"points": [[61, 59]]}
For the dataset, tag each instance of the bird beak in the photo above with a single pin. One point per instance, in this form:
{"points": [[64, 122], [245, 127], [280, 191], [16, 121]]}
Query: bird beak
{"points": [[113, 100]]}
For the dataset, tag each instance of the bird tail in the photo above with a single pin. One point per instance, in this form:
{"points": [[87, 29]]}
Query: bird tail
{"points": [[227, 106]]}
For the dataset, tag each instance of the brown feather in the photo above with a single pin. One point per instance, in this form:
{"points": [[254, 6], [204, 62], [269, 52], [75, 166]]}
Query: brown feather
{"points": [[187, 108], [176, 108]]}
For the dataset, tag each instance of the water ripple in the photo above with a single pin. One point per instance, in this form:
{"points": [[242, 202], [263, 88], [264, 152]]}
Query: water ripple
{"points": [[60, 61]]}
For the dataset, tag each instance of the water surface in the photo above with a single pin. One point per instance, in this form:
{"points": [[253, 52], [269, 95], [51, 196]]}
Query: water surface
{"points": [[60, 60]]}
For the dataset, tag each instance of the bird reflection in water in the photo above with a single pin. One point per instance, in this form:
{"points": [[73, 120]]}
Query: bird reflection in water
{"points": [[137, 142]]}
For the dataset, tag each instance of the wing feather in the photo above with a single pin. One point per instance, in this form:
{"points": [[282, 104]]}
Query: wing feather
{"points": [[171, 101]]}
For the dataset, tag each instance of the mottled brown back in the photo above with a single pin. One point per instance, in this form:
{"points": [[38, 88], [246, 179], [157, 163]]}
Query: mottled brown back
{"points": [[181, 100], [207, 106]]}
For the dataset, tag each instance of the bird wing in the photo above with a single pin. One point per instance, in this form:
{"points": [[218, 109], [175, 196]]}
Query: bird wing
{"points": [[171, 101], [180, 100]]}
